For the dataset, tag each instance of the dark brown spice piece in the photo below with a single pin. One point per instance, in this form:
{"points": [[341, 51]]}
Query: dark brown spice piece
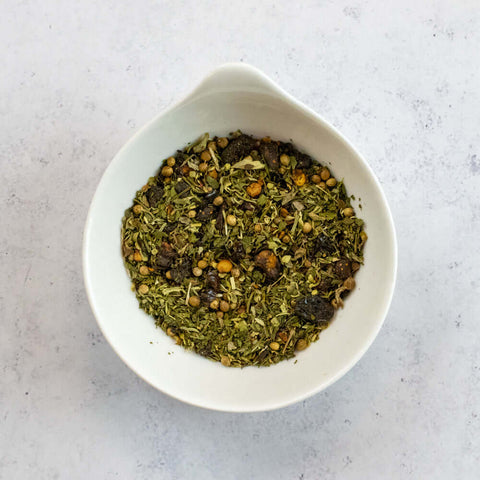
{"points": [[205, 213], [170, 227], [220, 221], [154, 195], [165, 257], [314, 309], [324, 244], [208, 296], [269, 151], [180, 158], [268, 262], [247, 207], [324, 285], [212, 279], [182, 188], [238, 148], [182, 270], [343, 268], [304, 161], [262, 355], [205, 351], [237, 252]]}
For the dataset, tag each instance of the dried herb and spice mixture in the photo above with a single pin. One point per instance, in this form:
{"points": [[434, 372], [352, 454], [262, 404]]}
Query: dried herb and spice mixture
{"points": [[242, 248]]}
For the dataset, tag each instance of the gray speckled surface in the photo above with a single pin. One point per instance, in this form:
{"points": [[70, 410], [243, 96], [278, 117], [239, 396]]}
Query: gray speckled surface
{"points": [[400, 79]]}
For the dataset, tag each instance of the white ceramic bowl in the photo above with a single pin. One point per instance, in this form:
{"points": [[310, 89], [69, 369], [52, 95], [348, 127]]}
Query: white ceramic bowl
{"points": [[235, 96]]}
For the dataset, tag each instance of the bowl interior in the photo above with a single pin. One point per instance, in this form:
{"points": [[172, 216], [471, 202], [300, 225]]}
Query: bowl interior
{"points": [[146, 349]]}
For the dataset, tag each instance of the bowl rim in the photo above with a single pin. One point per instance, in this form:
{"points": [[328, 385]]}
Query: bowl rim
{"points": [[203, 88]]}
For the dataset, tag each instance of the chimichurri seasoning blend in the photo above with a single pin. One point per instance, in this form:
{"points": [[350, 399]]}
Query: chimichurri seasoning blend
{"points": [[242, 248]]}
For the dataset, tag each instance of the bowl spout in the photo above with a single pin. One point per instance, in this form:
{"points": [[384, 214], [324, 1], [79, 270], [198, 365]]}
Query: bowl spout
{"points": [[236, 77]]}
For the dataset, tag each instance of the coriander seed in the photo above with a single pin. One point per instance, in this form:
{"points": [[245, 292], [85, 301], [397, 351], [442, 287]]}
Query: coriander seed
{"points": [[331, 182], [167, 171], [202, 264], [194, 301], [274, 346], [307, 227], [222, 142], [325, 174], [217, 201], [205, 156], [224, 306], [144, 270], [301, 344]]}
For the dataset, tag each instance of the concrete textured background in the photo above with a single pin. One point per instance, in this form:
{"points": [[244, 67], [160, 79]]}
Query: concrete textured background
{"points": [[400, 79]]}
